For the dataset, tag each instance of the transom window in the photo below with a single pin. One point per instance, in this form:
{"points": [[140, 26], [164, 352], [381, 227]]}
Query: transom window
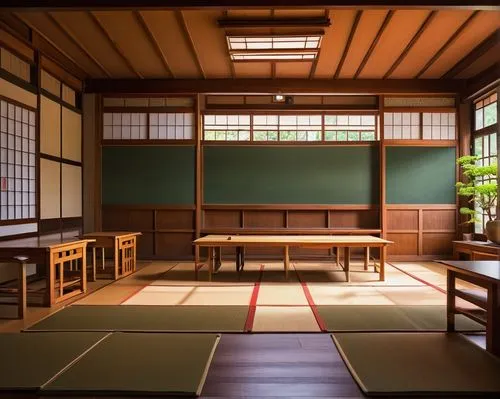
{"points": [[17, 162], [419, 125], [486, 113], [289, 127]]}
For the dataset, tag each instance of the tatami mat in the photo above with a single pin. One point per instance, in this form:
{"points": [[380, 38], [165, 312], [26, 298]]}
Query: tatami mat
{"points": [[331, 294], [424, 295], [192, 295], [31, 360], [409, 363], [290, 318], [146, 318], [281, 294], [141, 363]]}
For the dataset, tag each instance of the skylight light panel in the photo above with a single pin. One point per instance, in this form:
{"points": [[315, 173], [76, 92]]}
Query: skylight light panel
{"points": [[277, 56], [265, 42]]}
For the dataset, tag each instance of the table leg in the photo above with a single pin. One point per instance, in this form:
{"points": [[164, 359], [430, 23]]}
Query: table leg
{"points": [[367, 257], [218, 259], [117, 259], [94, 262], [196, 261], [210, 262], [287, 261], [50, 279], [103, 258], [382, 264], [21, 310], [83, 270], [493, 321], [450, 301], [347, 263], [337, 254]]}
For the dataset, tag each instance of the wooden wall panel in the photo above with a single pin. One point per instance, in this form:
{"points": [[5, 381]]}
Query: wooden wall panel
{"points": [[50, 127], [439, 219], [50, 189], [213, 218], [145, 245], [71, 194], [272, 219], [14, 92], [140, 220], [174, 245], [402, 220], [438, 243], [174, 219], [361, 219], [404, 244], [71, 135], [308, 219]]}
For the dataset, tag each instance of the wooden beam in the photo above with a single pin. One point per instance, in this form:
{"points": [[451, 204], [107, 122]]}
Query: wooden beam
{"points": [[159, 52], [75, 41], [59, 5], [447, 44], [367, 56], [271, 86], [231, 63], [314, 64], [482, 83], [113, 44], [189, 40], [412, 42], [245, 23], [481, 49], [354, 27]]}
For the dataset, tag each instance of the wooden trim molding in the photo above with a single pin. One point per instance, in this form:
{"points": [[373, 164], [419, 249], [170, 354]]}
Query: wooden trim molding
{"points": [[290, 207], [354, 27]]}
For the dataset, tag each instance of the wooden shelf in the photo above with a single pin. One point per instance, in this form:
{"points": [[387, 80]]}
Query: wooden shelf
{"points": [[478, 315], [476, 296]]}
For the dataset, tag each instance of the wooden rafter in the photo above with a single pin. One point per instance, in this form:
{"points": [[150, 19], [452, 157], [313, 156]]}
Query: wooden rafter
{"points": [[411, 43], [368, 54], [231, 64], [113, 44], [478, 51], [54, 5], [189, 40], [314, 64], [354, 27], [448, 43], [144, 25], [66, 32]]}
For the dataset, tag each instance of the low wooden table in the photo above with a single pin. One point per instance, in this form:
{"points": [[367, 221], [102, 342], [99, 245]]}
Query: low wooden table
{"points": [[124, 245], [59, 257], [286, 241], [483, 273], [476, 250]]}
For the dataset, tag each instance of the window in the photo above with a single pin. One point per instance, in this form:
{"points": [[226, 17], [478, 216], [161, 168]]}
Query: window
{"points": [[438, 126], [171, 126], [289, 127], [350, 128], [485, 145], [125, 126], [17, 162], [419, 125]]}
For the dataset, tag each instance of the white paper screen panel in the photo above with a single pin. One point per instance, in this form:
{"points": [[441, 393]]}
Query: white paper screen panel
{"points": [[71, 135], [50, 127], [50, 189], [71, 191]]}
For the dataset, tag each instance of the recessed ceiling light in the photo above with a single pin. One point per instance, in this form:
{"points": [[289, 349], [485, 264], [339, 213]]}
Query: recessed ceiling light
{"points": [[273, 55], [274, 42]]}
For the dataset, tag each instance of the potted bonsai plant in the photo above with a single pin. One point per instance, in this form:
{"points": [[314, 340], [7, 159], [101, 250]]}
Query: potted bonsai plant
{"points": [[483, 195]]}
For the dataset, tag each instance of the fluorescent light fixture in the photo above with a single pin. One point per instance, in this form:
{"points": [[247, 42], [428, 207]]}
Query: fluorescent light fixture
{"points": [[279, 98], [274, 42], [274, 56]]}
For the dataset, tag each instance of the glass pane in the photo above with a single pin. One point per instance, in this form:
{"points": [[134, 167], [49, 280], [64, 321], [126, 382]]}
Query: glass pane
{"points": [[490, 114], [478, 146], [260, 135], [342, 136], [479, 119], [367, 136], [330, 135], [493, 144]]}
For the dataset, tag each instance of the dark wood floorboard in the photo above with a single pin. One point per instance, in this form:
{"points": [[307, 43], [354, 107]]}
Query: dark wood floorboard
{"points": [[278, 366]]}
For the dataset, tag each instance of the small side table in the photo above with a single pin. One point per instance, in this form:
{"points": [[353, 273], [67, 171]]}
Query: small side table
{"points": [[476, 250]]}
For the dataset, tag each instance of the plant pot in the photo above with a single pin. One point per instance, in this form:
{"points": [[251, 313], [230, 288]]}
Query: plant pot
{"points": [[493, 231], [467, 236]]}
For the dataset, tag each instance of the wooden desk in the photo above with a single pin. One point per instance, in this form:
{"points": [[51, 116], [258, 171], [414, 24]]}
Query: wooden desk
{"points": [[476, 250], [124, 245], [482, 273], [59, 257], [287, 241]]}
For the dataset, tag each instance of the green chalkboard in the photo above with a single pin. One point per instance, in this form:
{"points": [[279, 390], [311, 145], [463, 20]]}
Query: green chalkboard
{"points": [[148, 175], [420, 175], [291, 175]]}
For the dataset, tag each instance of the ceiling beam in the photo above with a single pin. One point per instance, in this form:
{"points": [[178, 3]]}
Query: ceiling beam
{"points": [[54, 5], [354, 27], [367, 56], [314, 64], [482, 83], [231, 63], [113, 44], [185, 30], [75, 41], [412, 42], [448, 43], [272, 86], [159, 52], [245, 23], [478, 51]]}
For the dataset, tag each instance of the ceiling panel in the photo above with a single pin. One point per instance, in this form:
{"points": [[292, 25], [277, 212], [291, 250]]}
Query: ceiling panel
{"points": [[482, 63], [123, 28], [402, 27], [170, 38], [210, 42], [79, 24], [485, 23], [252, 69], [299, 13], [41, 22], [333, 43], [368, 26], [249, 13], [432, 39], [293, 69]]}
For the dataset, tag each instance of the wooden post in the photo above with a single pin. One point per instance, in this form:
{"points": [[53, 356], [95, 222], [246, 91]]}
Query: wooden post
{"points": [[382, 263], [347, 261], [21, 293], [287, 261], [367, 257]]}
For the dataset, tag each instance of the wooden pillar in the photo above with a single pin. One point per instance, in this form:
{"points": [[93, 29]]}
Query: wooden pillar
{"points": [[382, 207], [464, 148], [199, 171]]}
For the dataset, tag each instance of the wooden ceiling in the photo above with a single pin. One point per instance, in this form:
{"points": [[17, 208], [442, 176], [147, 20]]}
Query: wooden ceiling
{"points": [[359, 43]]}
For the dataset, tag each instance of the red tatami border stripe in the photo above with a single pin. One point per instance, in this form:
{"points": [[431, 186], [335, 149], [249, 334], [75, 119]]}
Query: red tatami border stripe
{"points": [[310, 301], [252, 308], [418, 278]]}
